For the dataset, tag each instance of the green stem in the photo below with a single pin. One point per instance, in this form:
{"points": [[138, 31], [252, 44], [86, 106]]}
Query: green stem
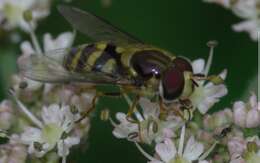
{"points": [[37, 122], [148, 156], [181, 143], [206, 154], [34, 40]]}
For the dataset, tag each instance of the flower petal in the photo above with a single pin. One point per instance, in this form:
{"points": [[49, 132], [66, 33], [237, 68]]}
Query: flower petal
{"points": [[239, 113], [198, 66], [193, 149], [166, 150]]}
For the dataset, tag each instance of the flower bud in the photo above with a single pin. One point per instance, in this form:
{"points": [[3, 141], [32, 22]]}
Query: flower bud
{"points": [[6, 115], [237, 145], [247, 115], [27, 15]]}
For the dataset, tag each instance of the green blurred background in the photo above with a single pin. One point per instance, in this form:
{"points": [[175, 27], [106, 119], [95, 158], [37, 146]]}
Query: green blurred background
{"points": [[182, 27]]}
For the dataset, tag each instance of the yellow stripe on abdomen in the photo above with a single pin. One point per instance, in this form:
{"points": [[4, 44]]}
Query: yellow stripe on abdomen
{"points": [[109, 66]]}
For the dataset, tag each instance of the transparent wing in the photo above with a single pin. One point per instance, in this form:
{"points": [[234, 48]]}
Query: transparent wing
{"points": [[95, 27], [46, 69]]}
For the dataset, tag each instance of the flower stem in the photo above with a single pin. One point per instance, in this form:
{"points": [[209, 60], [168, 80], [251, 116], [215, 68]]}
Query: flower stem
{"points": [[148, 156], [37, 122], [64, 157], [181, 143], [205, 155], [34, 39], [211, 45], [112, 122]]}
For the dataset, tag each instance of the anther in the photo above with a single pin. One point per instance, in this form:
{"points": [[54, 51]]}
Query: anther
{"points": [[133, 135], [23, 85], [104, 115], [212, 43], [74, 110], [153, 126], [37, 146]]}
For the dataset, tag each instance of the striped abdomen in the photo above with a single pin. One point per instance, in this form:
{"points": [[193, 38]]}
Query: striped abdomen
{"points": [[100, 57]]}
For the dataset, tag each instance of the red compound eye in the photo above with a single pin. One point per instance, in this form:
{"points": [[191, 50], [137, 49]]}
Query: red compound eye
{"points": [[182, 64], [172, 83]]}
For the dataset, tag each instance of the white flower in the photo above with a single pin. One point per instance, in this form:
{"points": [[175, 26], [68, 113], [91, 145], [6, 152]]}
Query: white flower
{"points": [[241, 152], [206, 95], [148, 127], [64, 40], [168, 153], [13, 10], [251, 26], [56, 126], [247, 115], [246, 9], [13, 151]]}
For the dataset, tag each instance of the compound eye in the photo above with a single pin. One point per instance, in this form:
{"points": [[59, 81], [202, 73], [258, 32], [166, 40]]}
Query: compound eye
{"points": [[182, 64], [172, 83]]}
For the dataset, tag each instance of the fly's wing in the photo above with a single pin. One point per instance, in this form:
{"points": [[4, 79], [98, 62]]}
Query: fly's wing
{"points": [[44, 68], [95, 27]]}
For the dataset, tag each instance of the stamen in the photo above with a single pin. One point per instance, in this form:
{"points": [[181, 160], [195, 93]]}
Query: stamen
{"points": [[64, 157], [37, 122], [181, 143], [148, 156], [211, 45], [28, 17], [206, 154], [133, 135], [129, 102], [105, 115], [112, 122]]}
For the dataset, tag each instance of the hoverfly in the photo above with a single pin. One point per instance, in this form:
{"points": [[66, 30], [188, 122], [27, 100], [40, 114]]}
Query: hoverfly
{"points": [[114, 58]]}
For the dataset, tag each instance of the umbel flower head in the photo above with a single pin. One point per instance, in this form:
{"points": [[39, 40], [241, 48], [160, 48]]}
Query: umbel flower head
{"points": [[167, 152], [55, 130], [12, 11]]}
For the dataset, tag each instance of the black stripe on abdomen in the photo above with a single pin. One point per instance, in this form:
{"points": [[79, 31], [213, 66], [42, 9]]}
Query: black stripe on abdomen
{"points": [[109, 53], [85, 53], [68, 60]]}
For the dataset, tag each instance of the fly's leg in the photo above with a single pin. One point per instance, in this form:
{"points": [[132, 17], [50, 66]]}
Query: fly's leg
{"points": [[132, 109], [164, 111], [187, 108], [94, 102]]}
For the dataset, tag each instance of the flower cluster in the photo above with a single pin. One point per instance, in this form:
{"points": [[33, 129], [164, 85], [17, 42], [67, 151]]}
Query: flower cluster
{"points": [[12, 11], [198, 136], [248, 10], [43, 121]]}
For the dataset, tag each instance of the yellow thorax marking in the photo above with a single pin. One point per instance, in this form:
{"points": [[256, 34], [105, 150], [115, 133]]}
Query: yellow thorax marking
{"points": [[109, 66]]}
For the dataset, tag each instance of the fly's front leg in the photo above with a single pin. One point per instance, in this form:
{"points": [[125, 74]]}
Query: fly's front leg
{"points": [[132, 109], [186, 106]]}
